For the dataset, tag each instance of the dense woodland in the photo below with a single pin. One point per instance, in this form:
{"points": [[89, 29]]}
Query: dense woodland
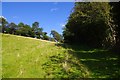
{"points": [[92, 24]]}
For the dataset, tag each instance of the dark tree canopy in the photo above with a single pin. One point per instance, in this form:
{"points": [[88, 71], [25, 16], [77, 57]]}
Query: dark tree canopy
{"points": [[3, 24], [115, 12], [23, 29], [44, 36], [56, 35], [88, 24], [36, 29], [12, 27]]}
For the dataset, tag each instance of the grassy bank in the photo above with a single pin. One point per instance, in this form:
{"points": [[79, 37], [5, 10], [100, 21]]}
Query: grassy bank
{"points": [[33, 58]]}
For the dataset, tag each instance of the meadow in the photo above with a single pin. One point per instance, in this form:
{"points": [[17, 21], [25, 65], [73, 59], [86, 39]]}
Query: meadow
{"points": [[24, 57]]}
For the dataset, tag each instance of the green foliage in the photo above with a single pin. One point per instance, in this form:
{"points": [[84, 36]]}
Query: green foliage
{"points": [[56, 35], [12, 26], [23, 29], [51, 39], [3, 23], [37, 31], [35, 26], [44, 36], [115, 16], [88, 24], [26, 30]]}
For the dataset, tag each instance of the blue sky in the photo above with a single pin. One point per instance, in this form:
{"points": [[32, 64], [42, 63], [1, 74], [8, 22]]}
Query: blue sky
{"points": [[50, 15]]}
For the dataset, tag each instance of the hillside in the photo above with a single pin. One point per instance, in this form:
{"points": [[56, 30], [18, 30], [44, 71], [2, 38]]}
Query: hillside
{"points": [[24, 57]]}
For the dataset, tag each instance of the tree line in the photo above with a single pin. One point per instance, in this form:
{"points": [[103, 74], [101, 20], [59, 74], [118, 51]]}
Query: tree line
{"points": [[34, 31], [96, 24]]}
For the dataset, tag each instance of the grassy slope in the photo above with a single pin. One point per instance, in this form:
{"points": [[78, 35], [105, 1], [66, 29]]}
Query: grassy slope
{"points": [[23, 57], [26, 57]]}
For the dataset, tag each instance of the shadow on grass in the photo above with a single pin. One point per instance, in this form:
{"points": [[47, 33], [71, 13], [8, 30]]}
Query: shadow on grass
{"points": [[102, 63]]}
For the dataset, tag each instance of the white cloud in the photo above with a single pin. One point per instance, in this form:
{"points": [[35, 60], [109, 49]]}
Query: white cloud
{"points": [[15, 17], [53, 9], [62, 25]]}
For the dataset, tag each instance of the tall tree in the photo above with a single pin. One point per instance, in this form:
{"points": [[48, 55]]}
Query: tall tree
{"points": [[35, 26], [56, 35], [44, 36], [12, 27], [27, 30], [36, 29], [3, 23], [20, 25], [19, 28], [88, 24], [116, 17], [39, 32]]}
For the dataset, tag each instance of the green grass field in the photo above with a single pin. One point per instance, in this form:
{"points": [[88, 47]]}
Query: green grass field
{"points": [[23, 57], [32, 58]]}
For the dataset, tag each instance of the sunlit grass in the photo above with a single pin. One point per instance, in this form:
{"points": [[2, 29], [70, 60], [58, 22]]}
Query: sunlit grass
{"points": [[33, 58], [23, 57]]}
